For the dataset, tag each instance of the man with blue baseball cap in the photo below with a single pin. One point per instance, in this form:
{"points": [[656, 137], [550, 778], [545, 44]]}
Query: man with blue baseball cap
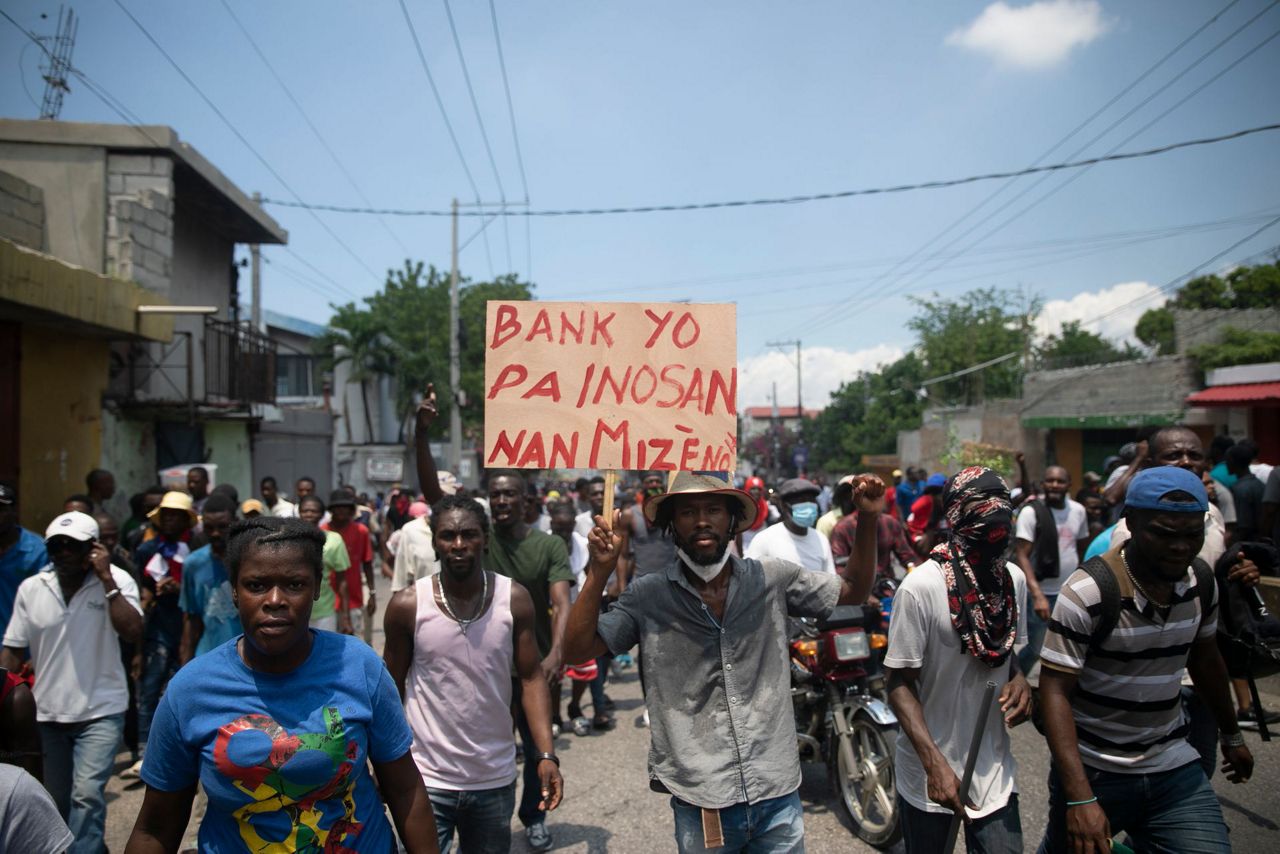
{"points": [[1124, 627]]}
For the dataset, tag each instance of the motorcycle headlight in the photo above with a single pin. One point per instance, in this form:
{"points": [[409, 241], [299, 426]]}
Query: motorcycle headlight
{"points": [[850, 646]]}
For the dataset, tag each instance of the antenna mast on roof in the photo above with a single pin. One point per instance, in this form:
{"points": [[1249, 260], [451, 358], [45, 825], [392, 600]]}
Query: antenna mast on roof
{"points": [[58, 63]]}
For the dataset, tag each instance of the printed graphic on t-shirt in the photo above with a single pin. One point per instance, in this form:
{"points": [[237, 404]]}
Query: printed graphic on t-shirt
{"points": [[220, 607], [301, 784]]}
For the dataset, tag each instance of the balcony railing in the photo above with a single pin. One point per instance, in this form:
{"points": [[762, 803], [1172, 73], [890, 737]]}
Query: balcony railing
{"points": [[239, 363]]}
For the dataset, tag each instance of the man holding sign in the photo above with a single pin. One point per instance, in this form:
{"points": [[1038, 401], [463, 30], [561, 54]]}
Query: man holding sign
{"points": [[712, 630]]}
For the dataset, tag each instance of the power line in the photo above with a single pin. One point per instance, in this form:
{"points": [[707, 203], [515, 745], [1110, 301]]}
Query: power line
{"points": [[240, 136], [1079, 150], [1092, 368], [791, 200], [327, 289], [515, 137], [96, 89], [1186, 276], [1023, 211], [484, 135], [1076, 175], [453, 137], [307, 118], [1053, 246], [334, 283], [936, 287]]}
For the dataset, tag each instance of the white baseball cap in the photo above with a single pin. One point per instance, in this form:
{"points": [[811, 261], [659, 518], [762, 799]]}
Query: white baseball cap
{"points": [[76, 525]]}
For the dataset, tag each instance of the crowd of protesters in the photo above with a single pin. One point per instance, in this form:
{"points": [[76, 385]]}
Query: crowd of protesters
{"points": [[226, 644]]}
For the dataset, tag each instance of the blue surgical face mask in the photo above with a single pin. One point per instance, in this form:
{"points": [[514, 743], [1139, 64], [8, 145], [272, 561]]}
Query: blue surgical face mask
{"points": [[805, 514]]}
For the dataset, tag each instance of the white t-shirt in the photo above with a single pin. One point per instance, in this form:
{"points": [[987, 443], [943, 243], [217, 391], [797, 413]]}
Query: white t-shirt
{"points": [[812, 551], [282, 510], [951, 685], [75, 650], [415, 554], [583, 523], [1073, 524], [578, 555]]}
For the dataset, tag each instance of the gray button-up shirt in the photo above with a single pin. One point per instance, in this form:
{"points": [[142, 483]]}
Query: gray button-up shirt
{"points": [[719, 694]]}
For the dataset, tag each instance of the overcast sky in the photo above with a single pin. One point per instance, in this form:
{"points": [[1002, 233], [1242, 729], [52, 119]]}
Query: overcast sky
{"points": [[625, 104]]}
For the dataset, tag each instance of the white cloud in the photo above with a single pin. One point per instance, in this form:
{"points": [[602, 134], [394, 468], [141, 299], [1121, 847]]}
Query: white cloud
{"points": [[823, 370], [1034, 36], [1093, 304]]}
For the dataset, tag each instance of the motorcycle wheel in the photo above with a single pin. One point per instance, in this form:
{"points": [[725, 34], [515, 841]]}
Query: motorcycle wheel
{"points": [[867, 791]]}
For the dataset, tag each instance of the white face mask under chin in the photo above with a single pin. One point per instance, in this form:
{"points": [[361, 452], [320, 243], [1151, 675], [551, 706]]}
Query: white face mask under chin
{"points": [[704, 571]]}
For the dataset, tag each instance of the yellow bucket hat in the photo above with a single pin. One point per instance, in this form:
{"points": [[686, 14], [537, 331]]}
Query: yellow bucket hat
{"points": [[176, 501]]}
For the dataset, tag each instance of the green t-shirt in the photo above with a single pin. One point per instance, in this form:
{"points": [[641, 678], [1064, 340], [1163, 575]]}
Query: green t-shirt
{"points": [[537, 562], [335, 561]]}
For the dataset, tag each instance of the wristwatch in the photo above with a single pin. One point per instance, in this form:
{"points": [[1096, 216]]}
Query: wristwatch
{"points": [[550, 756]]}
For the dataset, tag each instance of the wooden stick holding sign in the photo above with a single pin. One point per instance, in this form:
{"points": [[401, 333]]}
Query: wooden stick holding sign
{"points": [[610, 486]]}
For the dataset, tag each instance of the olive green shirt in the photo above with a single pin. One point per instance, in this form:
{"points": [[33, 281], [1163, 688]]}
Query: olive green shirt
{"points": [[537, 561]]}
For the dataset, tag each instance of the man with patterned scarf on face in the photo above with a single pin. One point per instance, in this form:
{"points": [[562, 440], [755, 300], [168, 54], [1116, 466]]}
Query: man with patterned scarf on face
{"points": [[957, 620]]}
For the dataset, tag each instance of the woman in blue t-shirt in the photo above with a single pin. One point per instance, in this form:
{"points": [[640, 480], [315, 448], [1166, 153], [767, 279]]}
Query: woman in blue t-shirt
{"points": [[279, 724]]}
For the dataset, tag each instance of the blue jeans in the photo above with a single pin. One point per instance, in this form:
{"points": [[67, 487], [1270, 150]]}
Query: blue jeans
{"points": [[1168, 811], [159, 663], [78, 759], [597, 684], [775, 826], [482, 818], [1036, 629], [997, 833]]}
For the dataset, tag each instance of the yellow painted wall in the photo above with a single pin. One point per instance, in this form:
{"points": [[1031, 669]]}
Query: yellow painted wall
{"points": [[1068, 446], [62, 379]]}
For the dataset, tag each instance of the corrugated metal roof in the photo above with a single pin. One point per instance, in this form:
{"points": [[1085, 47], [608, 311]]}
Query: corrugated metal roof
{"points": [[1234, 395]]}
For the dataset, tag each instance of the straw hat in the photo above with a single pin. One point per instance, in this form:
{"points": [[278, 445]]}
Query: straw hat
{"points": [[691, 483], [176, 501]]}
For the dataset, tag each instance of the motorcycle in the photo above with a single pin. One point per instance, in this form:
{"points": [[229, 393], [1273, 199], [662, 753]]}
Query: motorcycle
{"points": [[842, 720]]}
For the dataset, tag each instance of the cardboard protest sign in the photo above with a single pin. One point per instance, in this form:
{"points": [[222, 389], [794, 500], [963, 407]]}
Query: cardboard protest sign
{"points": [[612, 385]]}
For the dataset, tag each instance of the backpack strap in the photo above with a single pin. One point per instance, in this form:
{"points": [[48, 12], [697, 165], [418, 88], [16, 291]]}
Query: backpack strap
{"points": [[1206, 584], [1044, 552], [1109, 589]]}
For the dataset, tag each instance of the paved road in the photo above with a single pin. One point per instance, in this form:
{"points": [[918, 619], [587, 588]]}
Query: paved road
{"points": [[609, 807]]}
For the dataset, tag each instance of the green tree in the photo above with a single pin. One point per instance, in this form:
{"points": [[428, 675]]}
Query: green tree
{"points": [[403, 331], [1255, 287], [1203, 292], [1155, 329], [1073, 346], [1242, 288], [865, 415], [1238, 347], [976, 327]]}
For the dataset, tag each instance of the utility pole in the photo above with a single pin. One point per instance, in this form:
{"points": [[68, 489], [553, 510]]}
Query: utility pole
{"points": [[801, 451], [455, 368], [799, 372], [255, 278]]}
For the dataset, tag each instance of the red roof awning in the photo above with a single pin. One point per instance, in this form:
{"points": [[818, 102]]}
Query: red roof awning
{"points": [[1245, 394]]}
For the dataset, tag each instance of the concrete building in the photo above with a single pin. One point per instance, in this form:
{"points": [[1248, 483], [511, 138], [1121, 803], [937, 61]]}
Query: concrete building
{"points": [[294, 438], [757, 420], [1247, 398], [137, 204], [948, 433]]}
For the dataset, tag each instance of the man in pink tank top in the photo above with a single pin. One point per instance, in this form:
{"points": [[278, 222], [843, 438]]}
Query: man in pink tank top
{"points": [[452, 642]]}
